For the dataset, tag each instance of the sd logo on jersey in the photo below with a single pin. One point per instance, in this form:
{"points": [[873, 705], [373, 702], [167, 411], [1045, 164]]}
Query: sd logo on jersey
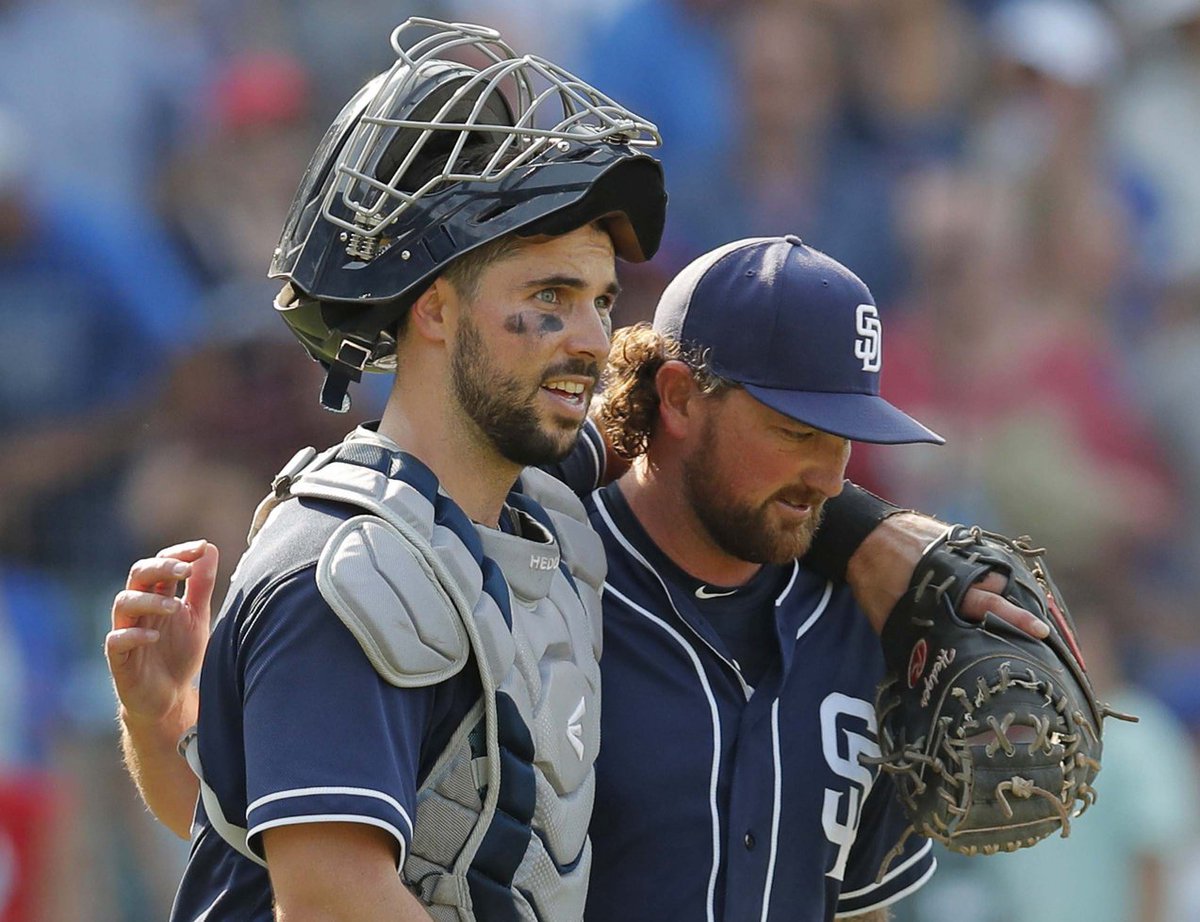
{"points": [[839, 821]]}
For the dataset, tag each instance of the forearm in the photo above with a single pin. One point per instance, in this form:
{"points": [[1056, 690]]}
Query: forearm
{"points": [[337, 872], [164, 780], [879, 915], [873, 546], [391, 901]]}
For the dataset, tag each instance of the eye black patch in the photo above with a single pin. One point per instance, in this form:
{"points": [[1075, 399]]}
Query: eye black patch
{"points": [[515, 323], [550, 323]]}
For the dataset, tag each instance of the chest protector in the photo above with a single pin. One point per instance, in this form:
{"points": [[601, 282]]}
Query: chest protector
{"points": [[500, 831]]}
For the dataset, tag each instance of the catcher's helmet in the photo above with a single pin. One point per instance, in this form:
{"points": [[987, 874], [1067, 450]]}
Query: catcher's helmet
{"points": [[434, 158]]}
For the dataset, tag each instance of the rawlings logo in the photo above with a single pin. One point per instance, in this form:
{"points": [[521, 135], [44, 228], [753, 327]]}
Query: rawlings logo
{"points": [[944, 658], [916, 662]]}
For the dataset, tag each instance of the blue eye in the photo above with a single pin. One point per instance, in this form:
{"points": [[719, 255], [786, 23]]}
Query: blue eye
{"points": [[604, 304], [547, 296]]}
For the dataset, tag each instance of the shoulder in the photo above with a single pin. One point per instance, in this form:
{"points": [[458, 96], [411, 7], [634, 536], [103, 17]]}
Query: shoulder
{"points": [[292, 538], [278, 569], [582, 470]]}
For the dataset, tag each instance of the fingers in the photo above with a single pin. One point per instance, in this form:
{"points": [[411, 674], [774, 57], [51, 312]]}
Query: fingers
{"points": [[188, 550], [203, 577], [131, 608], [983, 598], [162, 572], [126, 640]]}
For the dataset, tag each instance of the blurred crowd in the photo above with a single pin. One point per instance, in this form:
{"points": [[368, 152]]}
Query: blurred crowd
{"points": [[1016, 180]]}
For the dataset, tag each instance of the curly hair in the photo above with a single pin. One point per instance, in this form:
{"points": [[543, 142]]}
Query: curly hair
{"points": [[628, 404]]}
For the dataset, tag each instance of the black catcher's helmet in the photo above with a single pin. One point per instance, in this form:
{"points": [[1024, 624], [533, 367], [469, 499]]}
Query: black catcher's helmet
{"points": [[434, 158]]}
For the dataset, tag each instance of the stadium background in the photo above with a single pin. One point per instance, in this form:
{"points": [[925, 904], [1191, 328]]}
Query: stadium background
{"points": [[1017, 181]]}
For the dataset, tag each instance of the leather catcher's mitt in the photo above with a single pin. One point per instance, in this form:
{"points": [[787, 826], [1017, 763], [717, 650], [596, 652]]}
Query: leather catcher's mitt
{"points": [[992, 736]]}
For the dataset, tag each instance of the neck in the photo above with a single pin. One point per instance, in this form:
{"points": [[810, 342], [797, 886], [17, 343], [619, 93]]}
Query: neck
{"points": [[470, 470], [656, 494]]}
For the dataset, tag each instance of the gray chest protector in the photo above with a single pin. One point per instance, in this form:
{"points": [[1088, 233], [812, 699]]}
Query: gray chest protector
{"points": [[500, 831]]}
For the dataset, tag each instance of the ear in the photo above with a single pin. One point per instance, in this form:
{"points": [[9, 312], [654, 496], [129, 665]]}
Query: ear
{"points": [[428, 315], [677, 395]]}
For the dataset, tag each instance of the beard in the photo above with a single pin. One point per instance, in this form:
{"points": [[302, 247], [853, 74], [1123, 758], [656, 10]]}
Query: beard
{"points": [[743, 530], [505, 408]]}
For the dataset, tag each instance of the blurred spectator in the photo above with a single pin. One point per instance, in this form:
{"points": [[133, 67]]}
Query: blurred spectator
{"points": [[95, 302], [1070, 460], [1042, 131], [14, 704], [225, 193], [103, 87], [35, 629], [561, 31], [752, 104], [670, 61], [1016, 258], [1157, 122], [915, 64]]}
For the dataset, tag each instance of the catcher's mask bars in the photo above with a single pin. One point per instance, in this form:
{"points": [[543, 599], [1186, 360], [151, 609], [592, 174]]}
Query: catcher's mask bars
{"points": [[436, 157]]}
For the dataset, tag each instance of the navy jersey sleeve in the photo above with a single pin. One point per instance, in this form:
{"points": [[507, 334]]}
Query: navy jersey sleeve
{"points": [[326, 739], [883, 824], [583, 469]]}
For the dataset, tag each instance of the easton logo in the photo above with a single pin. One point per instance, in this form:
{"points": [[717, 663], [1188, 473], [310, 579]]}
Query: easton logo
{"points": [[869, 344], [941, 661], [916, 662], [575, 728]]}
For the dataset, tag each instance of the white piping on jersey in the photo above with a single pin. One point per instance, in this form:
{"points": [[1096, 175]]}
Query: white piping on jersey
{"points": [[336, 818], [899, 869], [791, 582], [211, 906], [358, 792], [596, 456], [775, 810], [699, 667], [747, 691], [893, 898], [818, 611], [716, 726]]}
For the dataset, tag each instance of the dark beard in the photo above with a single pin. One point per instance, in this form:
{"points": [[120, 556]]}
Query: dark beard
{"points": [[742, 531], [500, 406]]}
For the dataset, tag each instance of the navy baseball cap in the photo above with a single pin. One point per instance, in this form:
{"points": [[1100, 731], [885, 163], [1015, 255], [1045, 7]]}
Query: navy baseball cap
{"points": [[797, 329]]}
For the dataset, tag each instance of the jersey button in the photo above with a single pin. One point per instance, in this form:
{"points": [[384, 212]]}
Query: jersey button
{"points": [[748, 841]]}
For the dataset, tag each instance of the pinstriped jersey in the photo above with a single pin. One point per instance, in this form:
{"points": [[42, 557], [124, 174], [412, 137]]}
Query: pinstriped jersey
{"points": [[725, 798]]}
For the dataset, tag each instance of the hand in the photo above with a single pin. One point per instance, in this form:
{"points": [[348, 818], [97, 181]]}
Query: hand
{"points": [[881, 569], [157, 642], [984, 596]]}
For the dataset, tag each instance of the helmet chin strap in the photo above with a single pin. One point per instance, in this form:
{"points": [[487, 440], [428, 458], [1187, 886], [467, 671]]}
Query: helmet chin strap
{"points": [[352, 358]]}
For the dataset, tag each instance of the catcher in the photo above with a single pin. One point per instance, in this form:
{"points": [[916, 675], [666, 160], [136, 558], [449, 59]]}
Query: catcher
{"points": [[744, 770]]}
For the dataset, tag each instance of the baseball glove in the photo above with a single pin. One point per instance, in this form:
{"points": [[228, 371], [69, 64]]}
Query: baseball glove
{"points": [[993, 737]]}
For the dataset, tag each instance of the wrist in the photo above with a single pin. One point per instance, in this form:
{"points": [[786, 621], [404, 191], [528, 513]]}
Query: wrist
{"points": [[850, 517], [178, 718], [881, 568]]}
